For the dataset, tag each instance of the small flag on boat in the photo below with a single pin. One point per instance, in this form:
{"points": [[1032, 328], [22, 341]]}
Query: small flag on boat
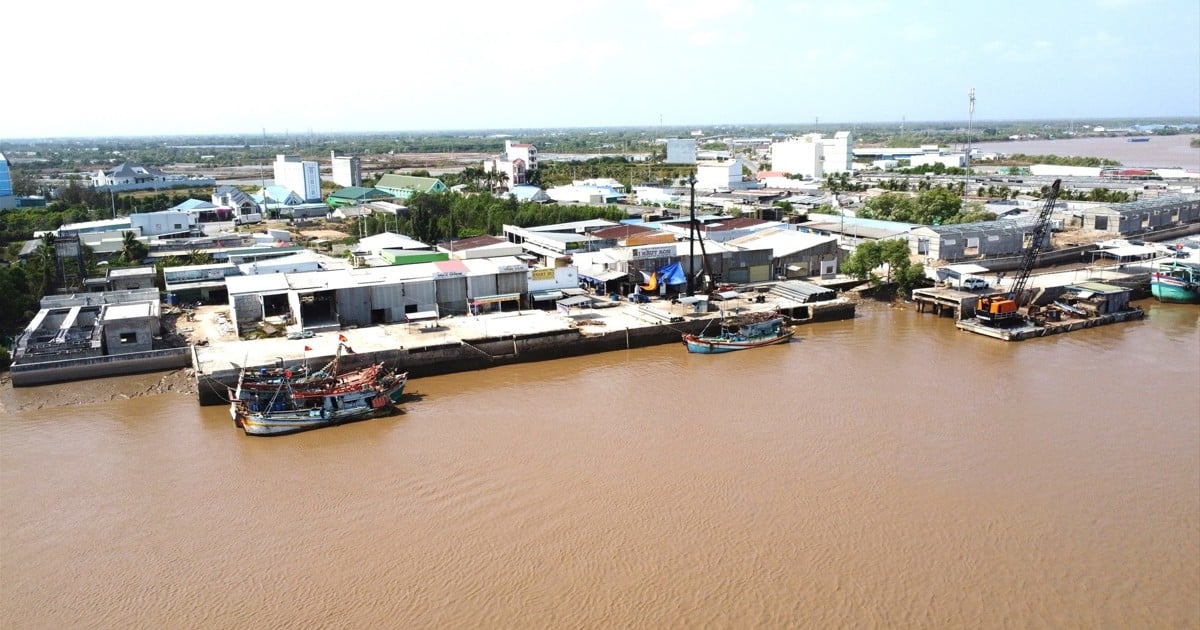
{"points": [[287, 374], [342, 338], [307, 349]]}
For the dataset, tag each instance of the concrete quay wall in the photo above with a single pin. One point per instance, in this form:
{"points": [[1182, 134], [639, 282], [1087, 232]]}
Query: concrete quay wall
{"points": [[461, 355], [477, 354], [27, 374]]}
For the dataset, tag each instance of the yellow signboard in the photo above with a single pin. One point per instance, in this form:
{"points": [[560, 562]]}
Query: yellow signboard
{"points": [[543, 274]]}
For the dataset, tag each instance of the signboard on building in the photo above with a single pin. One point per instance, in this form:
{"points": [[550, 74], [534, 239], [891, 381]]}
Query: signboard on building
{"points": [[654, 252], [543, 274], [442, 275], [510, 268]]}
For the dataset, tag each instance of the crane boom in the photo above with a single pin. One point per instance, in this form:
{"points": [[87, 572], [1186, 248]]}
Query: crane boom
{"points": [[999, 311], [1029, 256]]}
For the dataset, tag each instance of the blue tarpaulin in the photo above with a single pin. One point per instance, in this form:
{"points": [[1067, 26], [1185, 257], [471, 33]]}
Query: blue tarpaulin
{"points": [[672, 274]]}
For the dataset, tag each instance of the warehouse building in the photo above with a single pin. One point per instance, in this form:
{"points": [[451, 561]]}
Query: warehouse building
{"points": [[1144, 215], [1005, 237], [325, 300]]}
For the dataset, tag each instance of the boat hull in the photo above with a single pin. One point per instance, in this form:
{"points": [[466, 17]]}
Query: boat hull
{"points": [[718, 345], [331, 410], [1174, 292], [1176, 282]]}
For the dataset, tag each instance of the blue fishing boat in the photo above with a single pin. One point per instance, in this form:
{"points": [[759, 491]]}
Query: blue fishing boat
{"points": [[1177, 282], [741, 335]]}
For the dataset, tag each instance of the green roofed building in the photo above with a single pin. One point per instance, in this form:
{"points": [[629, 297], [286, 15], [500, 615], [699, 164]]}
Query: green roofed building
{"points": [[403, 186], [354, 195]]}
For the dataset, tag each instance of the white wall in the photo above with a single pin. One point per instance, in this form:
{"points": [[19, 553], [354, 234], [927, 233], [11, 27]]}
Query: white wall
{"points": [[564, 278], [681, 151], [164, 222], [799, 156], [301, 176], [726, 175], [838, 153], [347, 171], [958, 160]]}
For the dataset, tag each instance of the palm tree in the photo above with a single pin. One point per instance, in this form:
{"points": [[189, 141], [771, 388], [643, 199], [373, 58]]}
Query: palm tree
{"points": [[133, 250]]}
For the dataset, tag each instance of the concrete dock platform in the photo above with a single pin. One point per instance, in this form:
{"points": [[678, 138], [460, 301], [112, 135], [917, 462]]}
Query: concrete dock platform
{"points": [[471, 342]]}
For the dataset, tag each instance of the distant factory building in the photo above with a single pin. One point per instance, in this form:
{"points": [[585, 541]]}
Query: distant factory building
{"points": [[681, 151], [721, 175], [802, 156], [347, 170], [949, 160], [301, 176]]}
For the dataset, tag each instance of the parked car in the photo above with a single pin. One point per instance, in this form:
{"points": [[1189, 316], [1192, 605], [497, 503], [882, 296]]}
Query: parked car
{"points": [[300, 334], [974, 284]]}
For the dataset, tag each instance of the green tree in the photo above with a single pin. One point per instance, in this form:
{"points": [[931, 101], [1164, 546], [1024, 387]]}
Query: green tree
{"points": [[133, 251], [893, 255]]}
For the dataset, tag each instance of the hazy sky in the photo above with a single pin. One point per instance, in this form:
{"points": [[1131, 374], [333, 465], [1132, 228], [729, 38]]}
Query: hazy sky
{"points": [[89, 68]]}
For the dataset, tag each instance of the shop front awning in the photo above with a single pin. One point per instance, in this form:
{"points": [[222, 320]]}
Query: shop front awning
{"points": [[546, 296], [495, 299], [603, 276], [421, 316], [578, 300]]}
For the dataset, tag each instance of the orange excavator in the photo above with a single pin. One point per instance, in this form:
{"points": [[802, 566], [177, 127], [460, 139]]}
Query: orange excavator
{"points": [[1003, 310]]}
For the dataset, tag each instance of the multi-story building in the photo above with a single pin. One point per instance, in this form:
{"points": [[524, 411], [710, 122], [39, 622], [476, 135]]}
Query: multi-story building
{"points": [[814, 156], [681, 151], [516, 163], [7, 199], [302, 176], [803, 156], [720, 175], [347, 169], [520, 151], [838, 153]]}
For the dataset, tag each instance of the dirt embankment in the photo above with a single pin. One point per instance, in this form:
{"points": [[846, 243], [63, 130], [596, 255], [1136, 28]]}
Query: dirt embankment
{"points": [[180, 382]]}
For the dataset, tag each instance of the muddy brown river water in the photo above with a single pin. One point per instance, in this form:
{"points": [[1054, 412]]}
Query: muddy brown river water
{"points": [[887, 471]]}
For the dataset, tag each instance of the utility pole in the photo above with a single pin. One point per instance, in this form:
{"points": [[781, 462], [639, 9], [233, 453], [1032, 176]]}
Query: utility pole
{"points": [[691, 280]]}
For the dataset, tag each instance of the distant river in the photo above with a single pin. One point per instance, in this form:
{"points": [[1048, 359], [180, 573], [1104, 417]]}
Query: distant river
{"points": [[883, 472], [1159, 152]]}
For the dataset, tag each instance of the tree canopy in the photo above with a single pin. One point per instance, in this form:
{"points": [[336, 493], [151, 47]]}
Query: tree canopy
{"points": [[933, 206], [890, 254]]}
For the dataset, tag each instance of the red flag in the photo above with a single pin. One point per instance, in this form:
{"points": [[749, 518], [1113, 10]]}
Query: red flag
{"points": [[307, 349], [287, 374], [342, 338]]}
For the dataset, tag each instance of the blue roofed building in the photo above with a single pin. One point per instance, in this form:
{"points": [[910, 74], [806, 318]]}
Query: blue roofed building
{"points": [[7, 199], [277, 195], [529, 193]]}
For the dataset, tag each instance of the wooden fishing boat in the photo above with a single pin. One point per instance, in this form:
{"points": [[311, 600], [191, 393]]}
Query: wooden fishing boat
{"points": [[289, 409], [741, 336], [1177, 282]]}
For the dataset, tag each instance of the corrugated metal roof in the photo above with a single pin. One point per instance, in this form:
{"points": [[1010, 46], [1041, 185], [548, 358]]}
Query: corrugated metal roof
{"points": [[780, 241], [408, 182]]}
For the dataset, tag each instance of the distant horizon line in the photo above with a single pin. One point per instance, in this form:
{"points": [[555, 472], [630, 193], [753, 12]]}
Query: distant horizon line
{"points": [[690, 126]]}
